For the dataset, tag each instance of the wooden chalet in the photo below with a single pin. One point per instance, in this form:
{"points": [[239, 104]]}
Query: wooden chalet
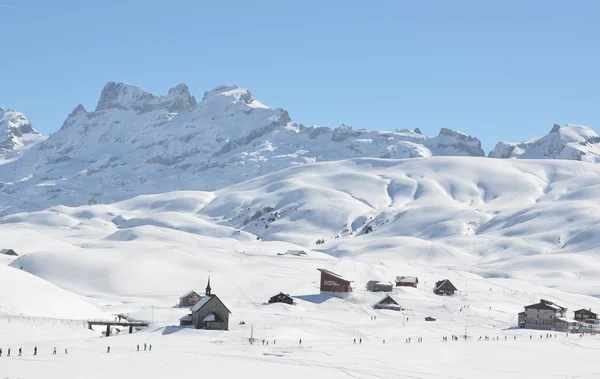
{"points": [[407, 281], [444, 287], [334, 284], [377, 286], [281, 298], [189, 299], [587, 316], [388, 302]]}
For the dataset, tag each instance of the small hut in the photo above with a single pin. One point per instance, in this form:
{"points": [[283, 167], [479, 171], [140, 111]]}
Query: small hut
{"points": [[189, 299], [388, 302], [444, 287], [281, 298]]}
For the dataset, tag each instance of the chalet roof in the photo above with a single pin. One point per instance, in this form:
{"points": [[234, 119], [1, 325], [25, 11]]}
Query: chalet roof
{"points": [[296, 252], [205, 300], [8, 252], [567, 320], [445, 285], [379, 282], [545, 304], [325, 271], [407, 279], [279, 294], [385, 298], [586, 311], [188, 294], [186, 318]]}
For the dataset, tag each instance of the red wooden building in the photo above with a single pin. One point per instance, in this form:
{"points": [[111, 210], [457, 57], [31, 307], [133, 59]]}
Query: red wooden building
{"points": [[334, 283]]}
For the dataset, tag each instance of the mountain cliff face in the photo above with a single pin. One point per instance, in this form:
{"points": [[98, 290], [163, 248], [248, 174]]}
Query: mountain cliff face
{"points": [[16, 133], [137, 143], [572, 142]]}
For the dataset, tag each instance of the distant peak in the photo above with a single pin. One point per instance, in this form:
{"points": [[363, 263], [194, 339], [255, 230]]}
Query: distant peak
{"points": [[555, 128], [418, 131], [219, 90], [78, 109], [127, 96], [234, 93]]}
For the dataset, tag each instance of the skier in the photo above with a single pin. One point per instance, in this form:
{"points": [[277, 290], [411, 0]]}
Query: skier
{"points": [[300, 341], [8, 352], [150, 347], [54, 351], [0, 352], [360, 340], [107, 349], [355, 341], [66, 351], [35, 350], [384, 342], [20, 351], [138, 347], [144, 346]]}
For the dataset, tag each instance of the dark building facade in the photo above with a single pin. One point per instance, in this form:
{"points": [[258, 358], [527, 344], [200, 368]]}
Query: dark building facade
{"points": [[444, 287], [281, 298], [335, 284]]}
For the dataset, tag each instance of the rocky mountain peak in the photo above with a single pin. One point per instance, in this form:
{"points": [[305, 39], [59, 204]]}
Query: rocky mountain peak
{"points": [[16, 131], [231, 93], [129, 97]]}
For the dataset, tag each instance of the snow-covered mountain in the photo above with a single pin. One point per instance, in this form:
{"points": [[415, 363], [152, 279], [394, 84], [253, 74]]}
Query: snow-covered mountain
{"points": [[16, 133], [136, 143], [573, 142]]}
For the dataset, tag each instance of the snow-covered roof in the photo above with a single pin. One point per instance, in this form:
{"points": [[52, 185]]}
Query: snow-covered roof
{"points": [[325, 271], [296, 252], [188, 294], [202, 302], [386, 297], [567, 320], [205, 300], [545, 304], [186, 318], [407, 279], [210, 317]]}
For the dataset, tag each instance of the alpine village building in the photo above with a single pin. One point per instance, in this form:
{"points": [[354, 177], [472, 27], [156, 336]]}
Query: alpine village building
{"points": [[208, 313], [388, 302], [545, 315], [334, 284], [378, 286], [407, 281], [586, 316], [281, 298], [444, 287], [189, 299]]}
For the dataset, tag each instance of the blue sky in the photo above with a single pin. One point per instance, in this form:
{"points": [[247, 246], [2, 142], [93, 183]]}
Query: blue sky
{"points": [[499, 70]]}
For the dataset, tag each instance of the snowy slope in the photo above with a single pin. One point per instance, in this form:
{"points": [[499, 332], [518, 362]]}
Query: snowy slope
{"points": [[522, 219], [137, 143], [27, 295], [573, 142], [505, 232]]}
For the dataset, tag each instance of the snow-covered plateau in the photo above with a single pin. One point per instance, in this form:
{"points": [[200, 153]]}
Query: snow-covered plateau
{"points": [[130, 206]]}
